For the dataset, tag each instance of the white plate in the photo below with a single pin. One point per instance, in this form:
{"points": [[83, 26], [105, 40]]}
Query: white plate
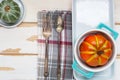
{"points": [[86, 15], [22, 8]]}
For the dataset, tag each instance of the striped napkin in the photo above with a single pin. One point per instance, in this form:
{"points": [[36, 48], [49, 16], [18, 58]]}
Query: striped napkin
{"points": [[65, 47]]}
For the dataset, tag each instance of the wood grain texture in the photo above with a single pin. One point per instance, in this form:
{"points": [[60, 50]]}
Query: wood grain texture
{"points": [[33, 6], [28, 70], [28, 24], [34, 24], [40, 5], [117, 23], [18, 40], [18, 54], [31, 54], [118, 56], [18, 67], [6, 69], [117, 11], [32, 38]]}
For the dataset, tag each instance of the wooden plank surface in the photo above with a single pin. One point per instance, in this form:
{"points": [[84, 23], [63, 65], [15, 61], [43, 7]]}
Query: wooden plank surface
{"points": [[59, 5], [23, 66], [19, 40], [18, 67], [19, 64], [117, 11], [38, 5]]}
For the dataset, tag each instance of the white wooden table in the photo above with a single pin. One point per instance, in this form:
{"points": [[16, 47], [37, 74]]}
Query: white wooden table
{"points": [[18, 46]]}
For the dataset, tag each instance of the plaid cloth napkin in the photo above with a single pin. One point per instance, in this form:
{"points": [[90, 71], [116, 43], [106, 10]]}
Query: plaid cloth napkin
{"points": [[65, 47]]}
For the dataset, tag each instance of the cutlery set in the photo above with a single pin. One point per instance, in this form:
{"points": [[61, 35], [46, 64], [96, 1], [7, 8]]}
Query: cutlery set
{"points": [[47, 32]]}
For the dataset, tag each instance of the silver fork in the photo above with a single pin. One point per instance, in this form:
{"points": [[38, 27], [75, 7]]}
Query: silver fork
{"points": [[47, 31]]}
